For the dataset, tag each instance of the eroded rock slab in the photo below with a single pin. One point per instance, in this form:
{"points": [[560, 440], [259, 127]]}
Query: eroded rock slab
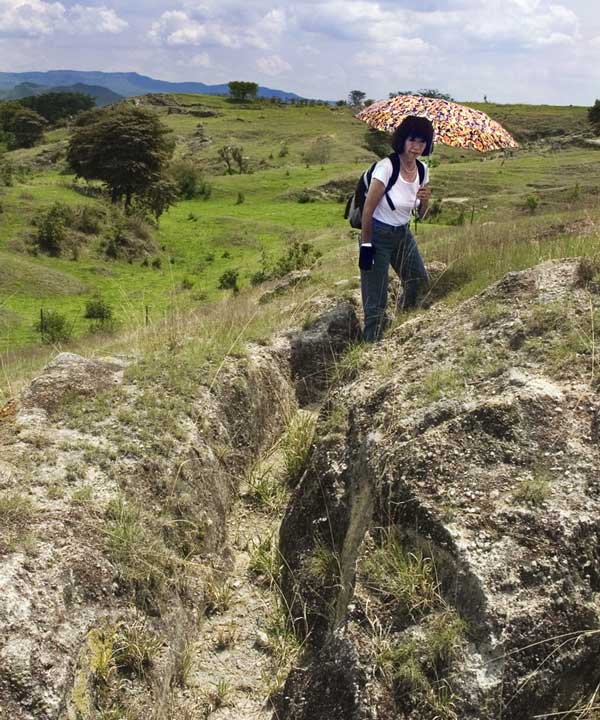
{"points": [[475, 464]]}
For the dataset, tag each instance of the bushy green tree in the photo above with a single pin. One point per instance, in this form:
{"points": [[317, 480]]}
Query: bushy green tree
{"points": [[159, 195], [594, 116], [378, 141], [127, 148], [240, 90], [424, 92], [26, 128], [434, 93], [8, 110], [55, 106]]}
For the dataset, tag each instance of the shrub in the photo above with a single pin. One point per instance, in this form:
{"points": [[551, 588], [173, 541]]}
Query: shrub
{"points": [[129, 236], [229, 281], [135, 647], [7, 172], [305, 197], [296, 446], [89, 220], [594, 116], [532, 202], [53, 327], [189, 180], [100, 313], [298, 257], [98, 309], [319, 152], [588, 270], [233, 155], [378, 142], [52, 226]]}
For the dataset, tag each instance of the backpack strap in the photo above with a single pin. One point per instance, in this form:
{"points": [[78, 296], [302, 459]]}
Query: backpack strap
{"points": [[421, 171], [395, 160]]}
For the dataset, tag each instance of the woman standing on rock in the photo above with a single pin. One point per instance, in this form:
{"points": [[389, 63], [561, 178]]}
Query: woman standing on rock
{"points": [[386, 224]]}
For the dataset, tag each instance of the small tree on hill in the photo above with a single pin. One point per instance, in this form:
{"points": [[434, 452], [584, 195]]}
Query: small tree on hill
{"points": [[594, 116], [424, 92], [55, 106], [378, 142], [356, 98], [241, 90], [434, 93], [127, 148], [27, 128]]}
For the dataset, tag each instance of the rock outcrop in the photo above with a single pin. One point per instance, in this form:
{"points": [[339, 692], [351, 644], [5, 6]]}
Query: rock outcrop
{"points": [[116, 480], [447, 527]]}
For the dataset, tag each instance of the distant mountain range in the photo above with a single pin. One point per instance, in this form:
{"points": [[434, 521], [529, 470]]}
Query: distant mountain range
{"points": [[123, 84], [102, 95]]}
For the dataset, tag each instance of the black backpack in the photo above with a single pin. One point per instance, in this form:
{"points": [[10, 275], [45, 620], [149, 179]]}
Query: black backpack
{"points": [[356, 201]]}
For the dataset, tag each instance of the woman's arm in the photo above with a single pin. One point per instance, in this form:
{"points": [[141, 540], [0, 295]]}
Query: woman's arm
{"points": [[376, 191]]}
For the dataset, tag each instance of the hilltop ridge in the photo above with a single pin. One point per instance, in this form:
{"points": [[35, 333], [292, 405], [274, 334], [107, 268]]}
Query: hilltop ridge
{"points": [[127, 84]]}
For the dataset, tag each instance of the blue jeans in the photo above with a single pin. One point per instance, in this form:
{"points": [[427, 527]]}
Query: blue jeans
{"points": [[397, 247]]}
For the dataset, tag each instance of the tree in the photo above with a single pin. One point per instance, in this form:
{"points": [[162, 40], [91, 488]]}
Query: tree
{"points": [[425, 92], [433, 93], [240, 90], [55, 106], [27, 128], [159, 195], [356, 98], [231, 154], [594, 116], [127, 148], [8, 110], [378, 141]]}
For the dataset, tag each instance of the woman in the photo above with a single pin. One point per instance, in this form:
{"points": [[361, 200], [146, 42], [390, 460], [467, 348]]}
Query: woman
{"points": [[388, 229]]}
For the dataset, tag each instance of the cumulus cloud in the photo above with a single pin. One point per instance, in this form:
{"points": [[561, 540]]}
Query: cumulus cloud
{"points": [[34, 18], [522, 23], [95, 19], [273, 65], [205, 24], [30, 18]]}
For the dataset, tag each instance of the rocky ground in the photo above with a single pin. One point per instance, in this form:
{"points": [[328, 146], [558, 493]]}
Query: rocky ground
{"points": [[438, 557], [444, 539], [117, 481]]}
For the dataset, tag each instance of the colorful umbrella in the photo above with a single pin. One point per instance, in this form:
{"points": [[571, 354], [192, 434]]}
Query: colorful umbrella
{"points": [[453, 124]]}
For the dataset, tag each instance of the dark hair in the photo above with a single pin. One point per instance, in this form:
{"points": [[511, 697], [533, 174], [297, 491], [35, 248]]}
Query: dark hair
{"points": [[413, 126]]}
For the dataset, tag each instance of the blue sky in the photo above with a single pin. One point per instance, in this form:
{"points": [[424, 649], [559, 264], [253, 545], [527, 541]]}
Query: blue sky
{"points": [[539, 51]]}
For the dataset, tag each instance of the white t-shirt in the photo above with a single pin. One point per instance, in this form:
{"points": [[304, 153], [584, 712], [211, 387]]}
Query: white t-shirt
{"points": [[403, 194]]}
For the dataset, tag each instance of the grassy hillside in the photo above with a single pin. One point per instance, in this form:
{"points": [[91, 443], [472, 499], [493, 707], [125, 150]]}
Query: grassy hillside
{"points": [[529, 122], [295, 154]]}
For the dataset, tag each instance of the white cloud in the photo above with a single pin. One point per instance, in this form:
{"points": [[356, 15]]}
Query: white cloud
{"points": [[30, 18], [34, 18], [95, 19], [521, 23], [203, 24], [273, 65]]}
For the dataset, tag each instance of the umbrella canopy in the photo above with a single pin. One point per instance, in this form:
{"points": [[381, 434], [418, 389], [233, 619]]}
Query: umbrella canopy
{"points": [[453, 124]]}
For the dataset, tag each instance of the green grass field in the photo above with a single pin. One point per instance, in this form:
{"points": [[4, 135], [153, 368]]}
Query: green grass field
{"points": [[486, 226]]}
